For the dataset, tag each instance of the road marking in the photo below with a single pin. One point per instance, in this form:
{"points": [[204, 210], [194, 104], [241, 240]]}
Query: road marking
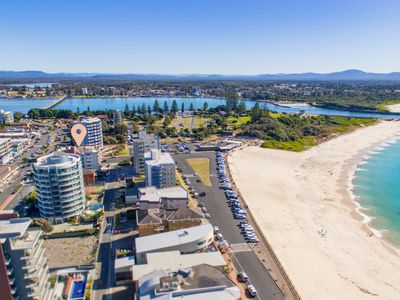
{"points": [[241, 247]]}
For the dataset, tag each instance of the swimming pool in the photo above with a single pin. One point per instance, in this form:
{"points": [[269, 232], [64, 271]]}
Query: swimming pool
{"points": [[78, 289]]}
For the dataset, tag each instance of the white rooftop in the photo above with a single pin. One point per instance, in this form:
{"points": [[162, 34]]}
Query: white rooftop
{"points": [[172, 261], [152, 194], [158, 158], [172, 238], [14, 227]]}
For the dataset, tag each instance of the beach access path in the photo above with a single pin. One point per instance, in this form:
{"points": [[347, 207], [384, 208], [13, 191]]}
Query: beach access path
{"points": [[302, 204]]}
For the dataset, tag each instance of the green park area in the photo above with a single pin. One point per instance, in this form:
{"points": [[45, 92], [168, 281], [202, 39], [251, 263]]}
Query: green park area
{"points": [[202, 168]]}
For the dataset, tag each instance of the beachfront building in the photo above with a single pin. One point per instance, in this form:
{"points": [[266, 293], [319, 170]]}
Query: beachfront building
{"points": [[189, 240], [159, 170], [59, 185], [94, 135], [155, 220], [169, 198], [90, 157], [24, 274], [178, 281], [142, 145], [117, 117], [6, 117], [5, 150]]}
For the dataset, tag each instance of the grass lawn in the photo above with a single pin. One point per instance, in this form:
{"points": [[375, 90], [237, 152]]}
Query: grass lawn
{"points": [[383, 106], [200, 121], [238, 121], [202, 168], [297, 146], [178, 119]]}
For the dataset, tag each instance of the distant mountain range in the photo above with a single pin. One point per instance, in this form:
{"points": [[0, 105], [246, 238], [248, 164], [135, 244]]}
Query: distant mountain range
{"points": [[347, 75]]}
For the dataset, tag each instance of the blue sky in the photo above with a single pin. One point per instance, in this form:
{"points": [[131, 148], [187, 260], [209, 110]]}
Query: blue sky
{"points": [[207, 36]]}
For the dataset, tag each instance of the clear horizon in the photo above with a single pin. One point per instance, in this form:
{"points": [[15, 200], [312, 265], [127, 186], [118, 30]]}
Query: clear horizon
{"points": [[207, 37]]}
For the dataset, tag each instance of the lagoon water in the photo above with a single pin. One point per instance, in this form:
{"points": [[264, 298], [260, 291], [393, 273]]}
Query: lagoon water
{"points": [[377, 188], [23, 105], [105, 103]]}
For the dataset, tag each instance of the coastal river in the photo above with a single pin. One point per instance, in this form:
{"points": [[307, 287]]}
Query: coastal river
{"points": [[24, 105], [376, 188]]}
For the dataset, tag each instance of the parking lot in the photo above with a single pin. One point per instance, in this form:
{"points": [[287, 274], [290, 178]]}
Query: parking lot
{"points": [[221, 216]]}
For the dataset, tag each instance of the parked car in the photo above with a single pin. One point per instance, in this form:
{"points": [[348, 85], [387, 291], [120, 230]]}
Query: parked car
{"points": [[252, 291], [207, 215], [202, 194], [219, 236], [242, 277]]}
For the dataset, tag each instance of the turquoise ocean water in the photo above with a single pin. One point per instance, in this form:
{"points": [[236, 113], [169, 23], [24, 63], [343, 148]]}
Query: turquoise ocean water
{"points": [[376, 185]]}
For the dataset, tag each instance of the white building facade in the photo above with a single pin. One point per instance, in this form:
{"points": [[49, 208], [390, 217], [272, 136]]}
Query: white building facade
{"points": [[159, 170], [6, 117], [23, 255], [94, 135], [59, 184], [5, 150], [90, 158]]}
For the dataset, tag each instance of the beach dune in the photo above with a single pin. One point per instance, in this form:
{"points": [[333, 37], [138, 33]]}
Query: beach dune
{"points": [[302, 204]]}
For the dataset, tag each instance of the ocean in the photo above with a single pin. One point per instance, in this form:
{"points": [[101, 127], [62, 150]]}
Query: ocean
{"points": [[376, 187]]}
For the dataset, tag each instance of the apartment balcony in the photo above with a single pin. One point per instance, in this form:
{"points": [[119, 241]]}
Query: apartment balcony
{"points": [[10, 271], [11, 280], [14, 290], [8, 261]]}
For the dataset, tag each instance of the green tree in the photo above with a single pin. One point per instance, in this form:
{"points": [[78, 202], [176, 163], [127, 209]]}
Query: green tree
{"points": [[174, 108], [120, 129], [143, 109], [156, 106], [205, 106], [191, 107], [126, 110], [18, 116], [241, 109], [133, 110], [165, 108], [183, 107], [256, 112]]}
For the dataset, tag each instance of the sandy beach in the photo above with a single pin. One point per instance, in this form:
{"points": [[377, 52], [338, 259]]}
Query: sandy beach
{"points": [[394, 107], [302, 204]]}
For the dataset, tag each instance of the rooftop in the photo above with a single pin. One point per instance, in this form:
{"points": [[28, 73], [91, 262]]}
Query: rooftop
{"points": [[152, 194], [172, 238], [172, 261], [155, 216], [200, 282], [15, 227], [158, 157], [58, 158]]}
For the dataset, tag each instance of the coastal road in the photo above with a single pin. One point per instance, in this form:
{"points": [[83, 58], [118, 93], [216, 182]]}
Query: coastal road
{"points": [[243, 256]]}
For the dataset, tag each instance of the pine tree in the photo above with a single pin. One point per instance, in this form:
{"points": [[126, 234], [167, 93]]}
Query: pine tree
{"points": [[191, 107], [166, 108], [183, 108], [156, 106], [174, 108]]}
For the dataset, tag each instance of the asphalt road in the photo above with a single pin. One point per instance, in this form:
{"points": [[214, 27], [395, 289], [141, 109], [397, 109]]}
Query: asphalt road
{"points": [[243, 257], [105, 263]]}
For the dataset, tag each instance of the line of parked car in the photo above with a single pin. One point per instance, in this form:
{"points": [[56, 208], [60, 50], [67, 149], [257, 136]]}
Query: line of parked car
{"points": [[238, 211]]}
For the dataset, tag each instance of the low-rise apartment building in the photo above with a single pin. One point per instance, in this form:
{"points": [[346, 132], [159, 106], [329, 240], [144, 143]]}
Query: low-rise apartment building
{"points": [[154, 220]]}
